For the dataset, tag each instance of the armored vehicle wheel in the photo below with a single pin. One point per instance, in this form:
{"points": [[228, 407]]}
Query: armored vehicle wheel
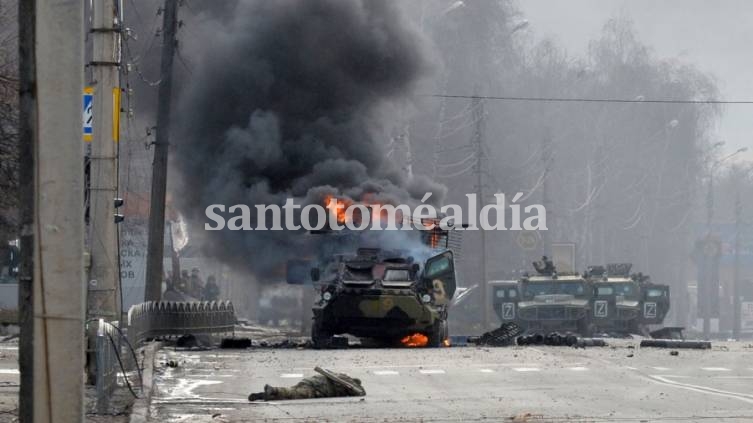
{"points": [[437, 334], [319, 337]]}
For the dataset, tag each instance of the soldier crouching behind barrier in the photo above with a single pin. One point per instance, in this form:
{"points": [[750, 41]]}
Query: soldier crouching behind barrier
{"points": [[324, 385]]}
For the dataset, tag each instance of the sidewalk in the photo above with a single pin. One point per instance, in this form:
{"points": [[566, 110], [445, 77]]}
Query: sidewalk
{"points": [[9, 382]]}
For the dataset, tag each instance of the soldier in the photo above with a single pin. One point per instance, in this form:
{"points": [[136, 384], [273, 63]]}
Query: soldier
{"points": [[544, 266], [324, 385], [183, 282], [195, 284], [211, 291]]}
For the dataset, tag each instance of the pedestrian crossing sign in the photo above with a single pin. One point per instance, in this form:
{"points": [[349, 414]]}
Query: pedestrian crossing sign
{"points": [[88, 116]]}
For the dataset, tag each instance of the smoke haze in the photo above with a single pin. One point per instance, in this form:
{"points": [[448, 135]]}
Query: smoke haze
{"points": [[294, 99]]}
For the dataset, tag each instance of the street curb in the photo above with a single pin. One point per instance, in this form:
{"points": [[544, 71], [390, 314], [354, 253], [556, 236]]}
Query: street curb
{"points": [[140, 409]]}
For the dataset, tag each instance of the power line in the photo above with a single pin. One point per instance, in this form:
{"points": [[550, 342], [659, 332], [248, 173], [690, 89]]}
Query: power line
{"points": [[588, 100]]}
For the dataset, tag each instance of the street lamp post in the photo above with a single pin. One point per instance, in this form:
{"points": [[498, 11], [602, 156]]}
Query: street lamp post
{"points": [[709, 218], [736, 300]]}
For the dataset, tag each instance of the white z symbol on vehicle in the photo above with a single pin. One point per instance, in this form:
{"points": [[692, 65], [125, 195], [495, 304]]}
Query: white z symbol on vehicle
{"points": [[649, 310], [508, 310], [600, 308]]}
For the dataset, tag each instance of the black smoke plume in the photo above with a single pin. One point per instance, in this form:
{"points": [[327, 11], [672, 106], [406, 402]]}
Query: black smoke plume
{"points": [[294, 99]]}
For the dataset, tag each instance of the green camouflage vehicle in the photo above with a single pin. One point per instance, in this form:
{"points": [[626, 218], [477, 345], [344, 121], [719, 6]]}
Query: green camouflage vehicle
{"points": [[383, 295], [616, 299], [505, 300], [552, 302], [623, 303]]}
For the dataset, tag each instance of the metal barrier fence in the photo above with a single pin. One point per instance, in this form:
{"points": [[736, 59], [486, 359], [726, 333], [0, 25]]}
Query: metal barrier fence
{"points": [[168, 318], [146, 321], [106, 344]]}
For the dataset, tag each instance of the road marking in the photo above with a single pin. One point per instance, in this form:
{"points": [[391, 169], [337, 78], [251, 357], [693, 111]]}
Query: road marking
{"points": [[578, 369], [715, 369], [9, 371], [664, 380], [292, 375], [486, 370], [661, 369], [631, 368], [431, 371], [526, 369], [411, 366], [385, 372]]}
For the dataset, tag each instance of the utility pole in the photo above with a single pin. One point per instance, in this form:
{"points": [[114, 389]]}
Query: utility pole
{"points": [[156, 246], [26, 152], [708, 274], [51, 46], [103, 239], [736, 282], [477, 106], [546, 161]]}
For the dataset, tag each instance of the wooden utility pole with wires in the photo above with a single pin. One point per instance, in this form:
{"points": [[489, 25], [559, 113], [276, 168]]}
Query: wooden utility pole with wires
{"points": [[156, 245], [103, 288], [51, 47], [546, 162], [736, 291], [479, 128]]}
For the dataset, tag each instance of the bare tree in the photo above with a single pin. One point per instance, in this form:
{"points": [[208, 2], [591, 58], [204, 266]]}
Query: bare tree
{"points": [[8, 118]]}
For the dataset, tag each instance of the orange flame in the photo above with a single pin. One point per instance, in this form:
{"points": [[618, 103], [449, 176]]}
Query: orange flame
{"points": [[340, 211], [446, 343], [415, 340]]}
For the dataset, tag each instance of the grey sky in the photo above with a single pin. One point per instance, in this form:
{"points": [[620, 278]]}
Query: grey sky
{"points": [[716, 36]]}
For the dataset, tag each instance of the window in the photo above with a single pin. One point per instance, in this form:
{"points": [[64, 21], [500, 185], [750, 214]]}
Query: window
{"points": [[534, 289], [654, 293], [438, 266], [625, 289], [397, 275], [512, 293], [500, 293], [604, 291], [571, 288], [356, 274]]}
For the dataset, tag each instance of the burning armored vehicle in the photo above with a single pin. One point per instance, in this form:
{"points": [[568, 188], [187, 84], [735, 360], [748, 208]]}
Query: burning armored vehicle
{"points": [[375, 288], [384, 295]]}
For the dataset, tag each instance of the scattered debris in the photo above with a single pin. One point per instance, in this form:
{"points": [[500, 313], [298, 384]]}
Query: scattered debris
{"points": [[590, 342], [459, 340], [526, 417], [171, 363], [671, 343], [500, 337], [556, 339], [193, 341], [674, 353], [669, 332], [235, 343]]}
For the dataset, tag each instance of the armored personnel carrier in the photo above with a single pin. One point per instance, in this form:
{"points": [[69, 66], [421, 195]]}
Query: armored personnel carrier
{"points": [[552, 302], [625, 303], [371, 285], [383, 295]]}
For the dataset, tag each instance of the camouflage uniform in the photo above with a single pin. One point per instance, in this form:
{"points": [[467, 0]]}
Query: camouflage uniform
{"points": [[317, 386]]}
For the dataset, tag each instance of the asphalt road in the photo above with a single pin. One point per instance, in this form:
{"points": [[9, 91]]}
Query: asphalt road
{"points": [[618, 383]]}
